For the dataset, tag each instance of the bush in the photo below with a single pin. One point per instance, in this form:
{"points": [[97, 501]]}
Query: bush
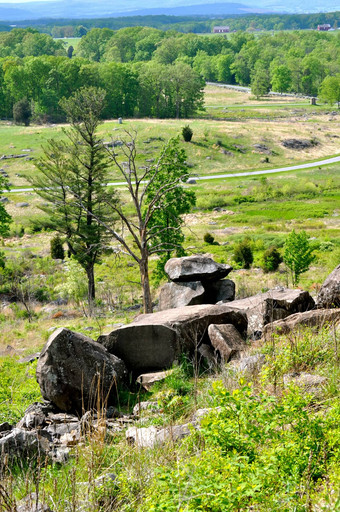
{"points": [[57, 249], [243, 254], [187, 133], [271, 259], [209, 239], [22, 112], [298, 254]]}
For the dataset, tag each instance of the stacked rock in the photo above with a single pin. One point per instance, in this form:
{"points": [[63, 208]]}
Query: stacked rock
{"points": [[195, 280]]}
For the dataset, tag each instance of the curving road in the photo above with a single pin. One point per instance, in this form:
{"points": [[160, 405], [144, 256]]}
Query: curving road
{"points": [[311, 165]]}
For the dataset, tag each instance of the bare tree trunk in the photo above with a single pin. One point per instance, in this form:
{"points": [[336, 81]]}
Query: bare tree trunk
{"points": [[144, 273], [91, 291]]}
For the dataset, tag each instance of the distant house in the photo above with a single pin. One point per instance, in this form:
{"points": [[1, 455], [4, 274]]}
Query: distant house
{"points": [[221, 30], [324, 27]]}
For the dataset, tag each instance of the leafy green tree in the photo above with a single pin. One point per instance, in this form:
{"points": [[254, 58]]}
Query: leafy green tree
{"points": [[92, 45], [260, 82], [73, 174], [298, 254], [22, 112], [281, 78], [243, 253], [330, 90], [158, 200]]}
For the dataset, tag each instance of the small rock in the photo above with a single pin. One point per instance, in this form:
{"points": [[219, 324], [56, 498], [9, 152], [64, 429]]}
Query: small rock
{"points": [[308, 382], [148, 379], [144, 437], [22, 205], [145, 406], [251, 364]]}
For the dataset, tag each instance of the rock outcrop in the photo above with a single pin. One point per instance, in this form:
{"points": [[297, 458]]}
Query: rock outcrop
{"points": [[155, 341], [329, 294], [195, 280], [74, 372], [226, 341], [317, 318], [195, 268], [270, 306]]}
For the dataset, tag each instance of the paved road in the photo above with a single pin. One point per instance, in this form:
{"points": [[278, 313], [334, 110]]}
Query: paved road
{"points": [[241, 88], [310, 165]]}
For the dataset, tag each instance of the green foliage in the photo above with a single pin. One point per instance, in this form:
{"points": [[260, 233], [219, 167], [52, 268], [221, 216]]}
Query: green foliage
{"points": [[298, 254], [5, 218], [22, 112], [208, 238], [73, 286], [243, 253], [187, 133], [18, 389], [271, 259], [330, 89], [57, 248]]}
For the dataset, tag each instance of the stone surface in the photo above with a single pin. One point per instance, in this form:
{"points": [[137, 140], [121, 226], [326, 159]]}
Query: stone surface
{"points": [[177, 295], [145, 347], [196, 268], [32, 503], [220, 291], [144, 437], [34, 416], [329, 294], [226, 340], [147, 380], [270, 306], [306, 381], [72, 368], [148, 406], [250, 364], [155, 341], [316, 318], [21, 444]]}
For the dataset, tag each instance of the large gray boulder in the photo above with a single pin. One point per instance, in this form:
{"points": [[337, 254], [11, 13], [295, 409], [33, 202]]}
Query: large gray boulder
{"points": [[196, 268], [329, 294], [152, 346], [177, 295], [270, 306], [226, 340], [191, 293], [317, 318], [154, 341], [22, 445], [73, 369]]}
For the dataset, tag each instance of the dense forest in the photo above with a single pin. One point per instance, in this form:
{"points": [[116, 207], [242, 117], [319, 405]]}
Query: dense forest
{"points": [[149, 72], [196, 24]]}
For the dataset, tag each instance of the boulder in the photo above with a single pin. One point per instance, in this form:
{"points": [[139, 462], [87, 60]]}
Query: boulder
{"points": [[154, 341], [220, 291], [305, 381], [152, 346], [226, 340], [316, 318], [146, 406], [177, 295], [21, 444], [35, 416], [147, 380], [32, 503], [73, 369], [270, 306], [148, 437], [249, 364], [196, 268], [329, 294]]}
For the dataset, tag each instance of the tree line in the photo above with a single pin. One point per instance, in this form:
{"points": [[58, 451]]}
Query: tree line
{"points": [[149, 72], [185, 24]]}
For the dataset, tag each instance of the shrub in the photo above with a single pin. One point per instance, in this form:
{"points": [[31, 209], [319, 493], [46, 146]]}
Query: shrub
{"points": [[187, 133], [243, 254], [209, 239], [271, 259], [57, 249], [298, 254], [22, 112]]}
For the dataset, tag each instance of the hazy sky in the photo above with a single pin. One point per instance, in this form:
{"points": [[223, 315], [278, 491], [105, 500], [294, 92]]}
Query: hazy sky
{"points": [[21, 1]]}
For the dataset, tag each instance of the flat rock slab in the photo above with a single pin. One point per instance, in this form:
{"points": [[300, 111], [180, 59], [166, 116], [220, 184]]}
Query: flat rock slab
{"points": [[143, 347], [147, 380], [329, 294], [226, 340], [155, 341], [73, 369], [306, 381], [270, 306], [196, 268], [316, 318]]}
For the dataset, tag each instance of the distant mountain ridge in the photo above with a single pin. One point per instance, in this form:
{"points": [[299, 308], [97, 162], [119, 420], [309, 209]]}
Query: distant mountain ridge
{"points": [[102, 8]]}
